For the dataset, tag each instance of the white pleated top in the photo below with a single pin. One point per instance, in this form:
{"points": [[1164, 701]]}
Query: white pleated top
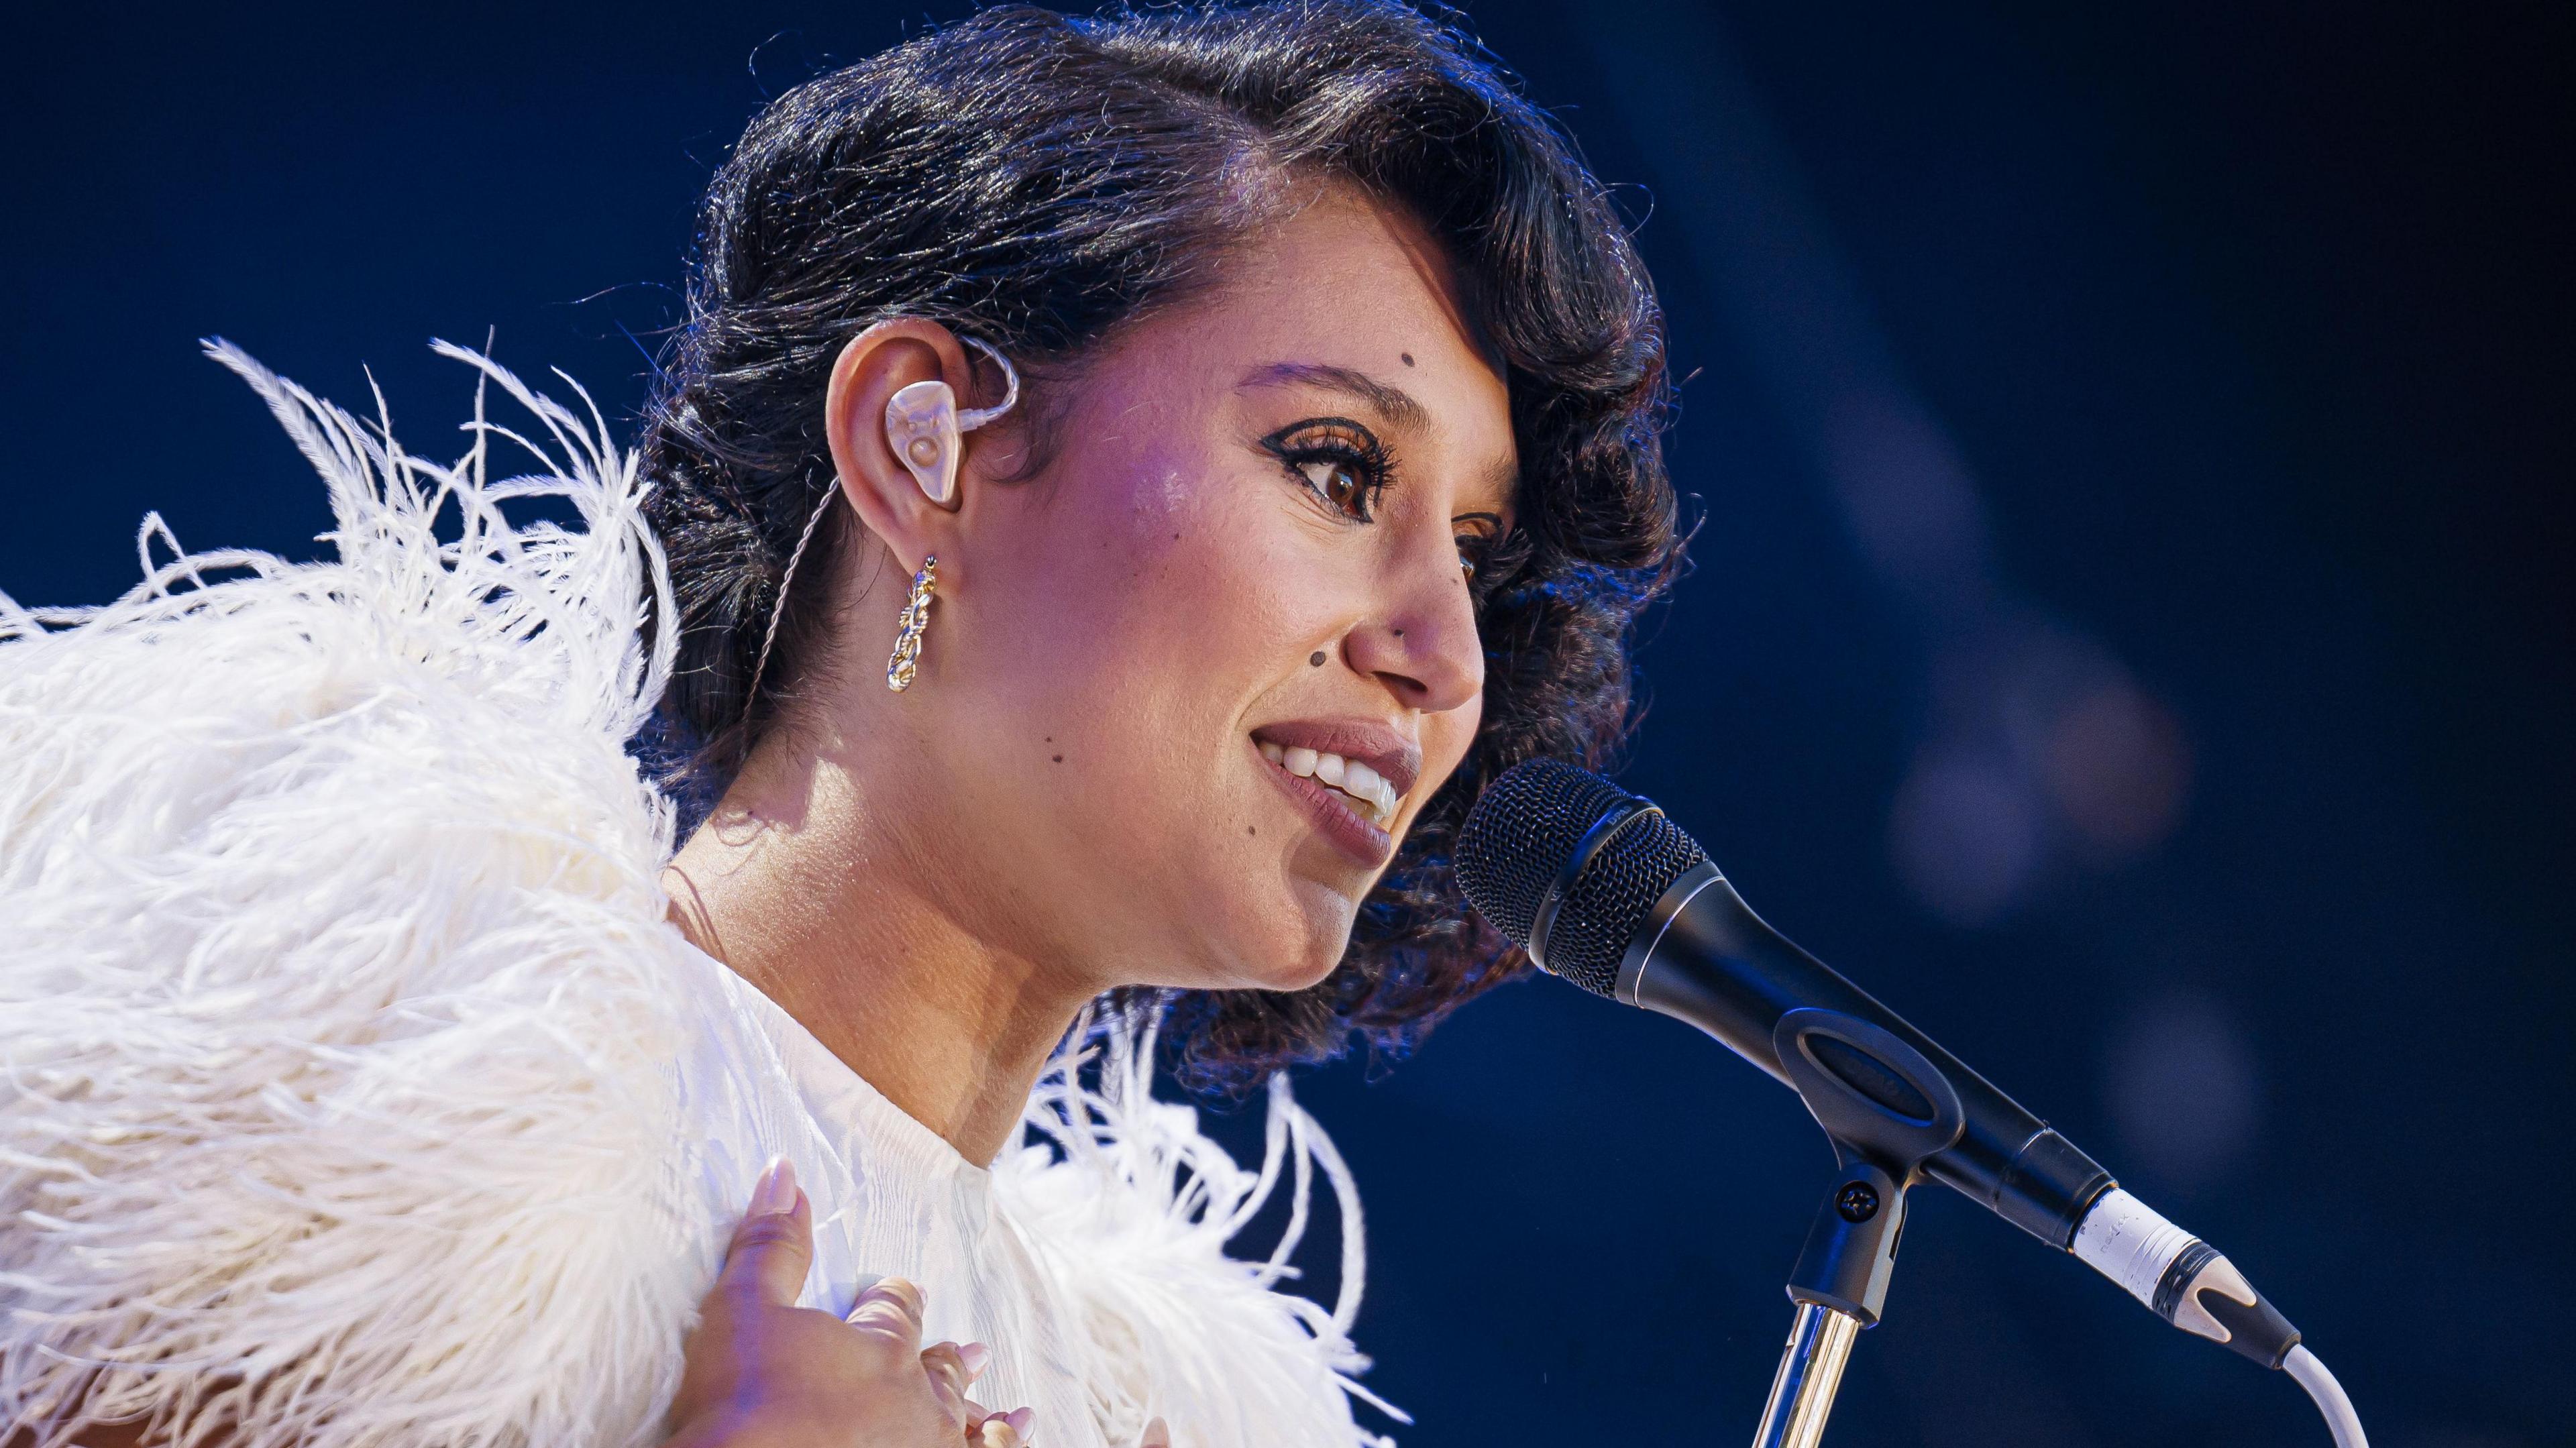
{"points": [[891, 1197]]}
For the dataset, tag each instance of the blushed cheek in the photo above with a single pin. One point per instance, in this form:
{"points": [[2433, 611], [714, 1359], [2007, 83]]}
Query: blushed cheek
{"points": [[1163, 515], [1176, 491], [1220, 575]]}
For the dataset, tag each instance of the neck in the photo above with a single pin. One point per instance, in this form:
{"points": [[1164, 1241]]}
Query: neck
{"points": [[803, 890]]}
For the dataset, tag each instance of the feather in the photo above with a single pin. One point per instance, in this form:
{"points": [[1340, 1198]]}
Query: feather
{"points": [[1129, 1207], [338, 1008], [329, 1005]]}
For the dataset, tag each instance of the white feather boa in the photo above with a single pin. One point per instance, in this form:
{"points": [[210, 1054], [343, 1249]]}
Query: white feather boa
{"points": [[336, 1009]]}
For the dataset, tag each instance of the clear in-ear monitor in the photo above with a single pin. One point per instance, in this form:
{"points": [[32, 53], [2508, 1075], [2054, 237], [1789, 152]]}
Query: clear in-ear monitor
{"points": [[921, 427]]}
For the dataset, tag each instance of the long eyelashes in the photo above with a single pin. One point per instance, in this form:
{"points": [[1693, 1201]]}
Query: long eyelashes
{"points": [[1478, 543], [1495, 558], [1344, 467], [1338, 460]]}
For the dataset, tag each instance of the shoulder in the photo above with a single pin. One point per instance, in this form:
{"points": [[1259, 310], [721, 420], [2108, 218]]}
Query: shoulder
{"points": [[337, 1010]]}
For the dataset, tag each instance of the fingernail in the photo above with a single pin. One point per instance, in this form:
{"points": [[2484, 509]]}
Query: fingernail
{"points": [[776, 1191], [976, 1357], [1020, 1419]]}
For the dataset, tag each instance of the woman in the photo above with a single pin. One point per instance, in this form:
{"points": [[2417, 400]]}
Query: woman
{"points": [[1120, 487]]}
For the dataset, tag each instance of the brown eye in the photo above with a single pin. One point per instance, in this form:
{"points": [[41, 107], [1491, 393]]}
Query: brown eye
{"points": [[1338, 461], [1336, 483], [1476, 543]]}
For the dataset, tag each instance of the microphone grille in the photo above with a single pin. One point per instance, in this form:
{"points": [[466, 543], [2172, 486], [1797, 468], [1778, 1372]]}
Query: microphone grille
{"points": [[1517, 841]]}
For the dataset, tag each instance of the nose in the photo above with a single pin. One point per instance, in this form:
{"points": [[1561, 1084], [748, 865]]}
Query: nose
{"points": [[1421, 643]]}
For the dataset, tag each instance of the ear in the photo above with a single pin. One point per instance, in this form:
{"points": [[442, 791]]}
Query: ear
{"points": [[891, 416]]}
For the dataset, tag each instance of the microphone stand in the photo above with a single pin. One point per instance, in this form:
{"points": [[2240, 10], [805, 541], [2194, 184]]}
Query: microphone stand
{"points": [[1839, 1285], [1811, 1369]]}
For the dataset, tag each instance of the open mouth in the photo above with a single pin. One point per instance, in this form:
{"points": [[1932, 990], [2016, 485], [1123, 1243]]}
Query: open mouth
{"points": [[1371, 796], [1353, 781], [1350, 776]]}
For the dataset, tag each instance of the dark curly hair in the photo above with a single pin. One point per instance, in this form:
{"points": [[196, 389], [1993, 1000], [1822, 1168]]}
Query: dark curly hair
{"points": [[1037, 181]]}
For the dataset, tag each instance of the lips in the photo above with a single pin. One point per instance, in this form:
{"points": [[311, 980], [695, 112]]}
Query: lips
{"points": [[1336, 817], [1389, 752], [1350, 777], [1375, 797]]}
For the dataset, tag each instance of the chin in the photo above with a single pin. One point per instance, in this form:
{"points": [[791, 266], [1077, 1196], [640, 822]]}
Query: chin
{"points": [[1296, 945], [1304, 971]]}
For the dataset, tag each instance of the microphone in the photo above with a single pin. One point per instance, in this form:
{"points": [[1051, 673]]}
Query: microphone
{"points": [[1602, 890]]}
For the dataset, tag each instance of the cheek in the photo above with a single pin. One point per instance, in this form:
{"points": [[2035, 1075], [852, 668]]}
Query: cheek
{"points": [[1182, 589], [1446, 738], [1092, 568], [1139, 608]]}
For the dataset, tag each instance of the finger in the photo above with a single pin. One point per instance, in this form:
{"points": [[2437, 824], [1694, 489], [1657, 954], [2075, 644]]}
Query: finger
{"points": [[890, 1311], [1017, 1421], [1158, 1434], [946, 1366], [775, 1242]]}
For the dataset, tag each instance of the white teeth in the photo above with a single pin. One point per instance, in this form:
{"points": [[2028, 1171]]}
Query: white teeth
{"points": [[1375, 794]]}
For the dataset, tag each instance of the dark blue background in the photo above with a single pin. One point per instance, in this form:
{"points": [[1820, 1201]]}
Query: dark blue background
{"points": [[2225, 348]]}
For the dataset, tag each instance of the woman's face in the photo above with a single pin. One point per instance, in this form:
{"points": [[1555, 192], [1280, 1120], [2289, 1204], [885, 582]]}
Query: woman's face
{"points": [[1241, 574]]}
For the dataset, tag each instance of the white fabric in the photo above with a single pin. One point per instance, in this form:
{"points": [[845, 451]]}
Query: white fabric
{"points": [[354, 1091]]}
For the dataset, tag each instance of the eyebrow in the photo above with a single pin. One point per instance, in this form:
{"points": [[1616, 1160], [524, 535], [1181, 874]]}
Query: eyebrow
{"points": [[1393, 403], [1506, 483]]}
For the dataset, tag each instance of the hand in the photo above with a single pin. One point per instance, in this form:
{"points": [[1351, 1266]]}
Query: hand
{"points": [[762, 1372]]}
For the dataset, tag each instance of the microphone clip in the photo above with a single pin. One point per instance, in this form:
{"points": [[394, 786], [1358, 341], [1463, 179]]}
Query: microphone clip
{"points": [[1887, 1109]]}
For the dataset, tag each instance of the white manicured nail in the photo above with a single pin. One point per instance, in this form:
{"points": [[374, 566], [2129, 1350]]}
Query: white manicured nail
{"points": [[776, 1191]]}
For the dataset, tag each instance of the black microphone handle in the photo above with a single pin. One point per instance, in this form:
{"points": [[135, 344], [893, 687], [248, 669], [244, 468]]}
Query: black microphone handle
{"points": [[1897, 1107], [1878, 1086]]}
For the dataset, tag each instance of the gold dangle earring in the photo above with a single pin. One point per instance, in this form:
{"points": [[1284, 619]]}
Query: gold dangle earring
{"points": [[914, 619]]}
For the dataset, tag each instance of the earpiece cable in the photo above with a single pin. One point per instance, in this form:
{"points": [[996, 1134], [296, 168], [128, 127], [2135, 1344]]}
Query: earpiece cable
{"points": [[769, 635], [967, 421]]}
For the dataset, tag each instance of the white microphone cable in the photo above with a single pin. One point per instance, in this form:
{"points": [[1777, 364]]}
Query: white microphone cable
{"points": [[2185, 1281], [2321, 1385]]}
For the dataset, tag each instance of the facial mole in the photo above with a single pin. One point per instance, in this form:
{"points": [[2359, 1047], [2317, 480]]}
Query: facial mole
{"points": [[1408, 359], [1059, 759], [1316, 658]]}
